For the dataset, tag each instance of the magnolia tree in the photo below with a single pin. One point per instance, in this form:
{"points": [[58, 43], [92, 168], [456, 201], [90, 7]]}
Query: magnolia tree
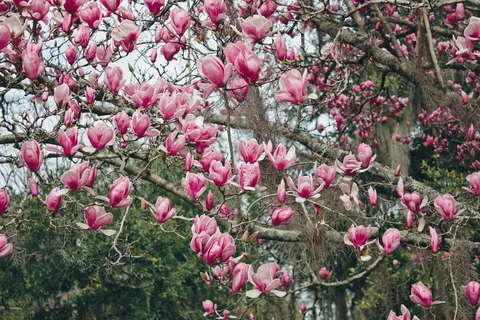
{"points": [[272, 112]]}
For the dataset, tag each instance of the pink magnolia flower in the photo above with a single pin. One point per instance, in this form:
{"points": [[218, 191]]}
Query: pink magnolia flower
{"points": [[96, 217], [212, 68], [305, 188], [111, 5], [170, 107], [303, 308], [349, 167], [349, 195], [141, 125], [281, 159], [180, 20], [248, 66], [114, 79], [215, 9], [293, 87], [194, 185], [209, 155], [5, 35], [248, 176], [446, 206], [5, 248], [38, 9], [4, 201], [33, 185], [326, 173], [390, 240], [285, 278], [101, 136], [173, 147], [91, 15], [422, 295], [357, 237], [220, 173], [281, 192], [218, 248], [472, 292], [54, 200], [240, 276], [364, 155], [405, 315], [280, 47], [256, 28], [31, 156], [68, 140], [397, 171], [76, 177], [434, 240], [204, 224], [251, 151], [31, 61], [324, 273], [92, 176], [126, 35], [472, 31], [413, 202], [73, 6], [71, 55], [143, 95], [209, 200], [281, 215], [122, 122], [238, 89], [209, 307], [155, 6], [372, 196], [264, 280], [197, 132], [474, 180], [119, 193], [163, 210]]}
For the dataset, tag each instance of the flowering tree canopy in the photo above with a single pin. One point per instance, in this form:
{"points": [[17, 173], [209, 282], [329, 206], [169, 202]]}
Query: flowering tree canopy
{"points": [[320, 143]]}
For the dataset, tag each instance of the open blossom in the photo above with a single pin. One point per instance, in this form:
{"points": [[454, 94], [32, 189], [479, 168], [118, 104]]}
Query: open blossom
{"points": [[446, 206], [405, 315], [251, 151], [219, 247], [413, 202], [349, 167], [173, 147], [390, 240], [163, 210], [364, 155], [208, 156], [265, 280], [248, 176], [474, 180], [101, 136], [220, 173], [281, 215], [91, 15], [68, 140], [31, 155], [248, 66], [5, 247], [472, 31], [209, 308], [194, 185], [349, 195], [326, 173], [96, 217], [281, 159], [216, 10], [357, 237], [256, 28], [5, 35], [4, 201], [305, 188], [422, 295], [472, 292], [212, 68], [76, 177], [293, 87], [126, 34]]}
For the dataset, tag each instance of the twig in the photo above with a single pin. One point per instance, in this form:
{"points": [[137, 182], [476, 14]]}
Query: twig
{"points": [[438, 73]]}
